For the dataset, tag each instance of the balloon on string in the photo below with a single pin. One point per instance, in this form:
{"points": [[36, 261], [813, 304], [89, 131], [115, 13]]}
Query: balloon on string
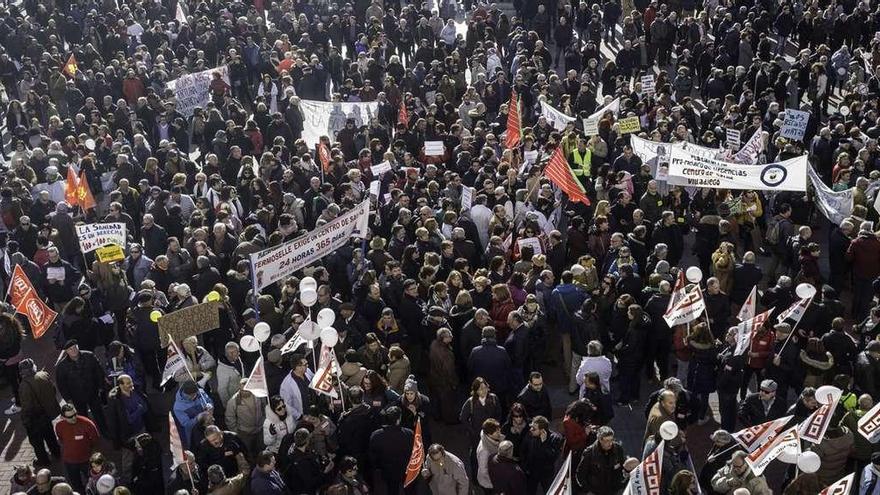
{"points": [[213, 296], [249, 343], [155, 315], [823, 392], [668, 430], [326, 317], [308, 283], [262, 330], [789, 455], [308, 297], [329, 337], [809, 462], [309, 330], [694, 274], [805, 290], [843, 110]]}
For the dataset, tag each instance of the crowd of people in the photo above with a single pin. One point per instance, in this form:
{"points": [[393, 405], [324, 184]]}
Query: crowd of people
{"points": [[449, 316]]}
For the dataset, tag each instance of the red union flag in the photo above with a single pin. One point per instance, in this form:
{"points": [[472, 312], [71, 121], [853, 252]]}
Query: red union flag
{"points": [[688, 309], [324, 157], [403, 114], [746, 329], [414, 466], [27, 302], [514, 126], [813, 428], [752, 437], [841, 486], [795, 312], [747, 312], [869, 424], [19, 286], [645, 478], [763, 455]]}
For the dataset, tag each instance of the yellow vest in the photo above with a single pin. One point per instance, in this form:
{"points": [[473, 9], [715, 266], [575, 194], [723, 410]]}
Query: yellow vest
{"points": [[581, 166]]}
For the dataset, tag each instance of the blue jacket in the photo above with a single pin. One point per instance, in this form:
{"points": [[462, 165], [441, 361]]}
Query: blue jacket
{"points": [[267, 483], [186, 413], [565, 301]]}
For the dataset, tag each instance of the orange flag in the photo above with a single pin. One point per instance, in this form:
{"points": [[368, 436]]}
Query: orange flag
{"points": [[417, 458], [403, 114], [27, 302], [71, 67], [514, 126], [560, 174], [84, 193], [70, 188], [324, 157]]}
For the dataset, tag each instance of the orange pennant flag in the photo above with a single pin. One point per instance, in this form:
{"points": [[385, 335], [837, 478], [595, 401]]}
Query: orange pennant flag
{"points": [[84, 193], [71, 67], [417, 458], [514, 125], [70, 187], [27, 302], [324, 157], [403, 114]]}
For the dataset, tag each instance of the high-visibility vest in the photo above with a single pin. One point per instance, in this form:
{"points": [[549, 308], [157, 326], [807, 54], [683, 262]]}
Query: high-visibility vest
{"points": [[581, 166]]}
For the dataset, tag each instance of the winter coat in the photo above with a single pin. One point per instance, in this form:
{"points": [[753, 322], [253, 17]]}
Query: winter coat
{"points": [[506, 476], [37, 397], [601, 471], [229, 376], [443, 374], [491, 361], [448, 479], [756, 485], [119, 424], [275, 429], [867, 374], [834, 450], [398, 372], [244, 413], [352, 374], [186, 413], [79, 381]]}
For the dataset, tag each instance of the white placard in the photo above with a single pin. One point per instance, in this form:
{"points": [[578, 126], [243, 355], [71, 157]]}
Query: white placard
{"points": [[193, 90], [794, 124], [591, 123], [689, 169], [374, 188], [732, 138], [55, 273], [532, 242], [648, 84], [97, 235], [467, 197], [380, 169], [434, 148]]}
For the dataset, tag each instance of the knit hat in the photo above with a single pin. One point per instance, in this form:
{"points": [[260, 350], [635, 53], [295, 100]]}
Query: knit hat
{"points": [[411, 385]]}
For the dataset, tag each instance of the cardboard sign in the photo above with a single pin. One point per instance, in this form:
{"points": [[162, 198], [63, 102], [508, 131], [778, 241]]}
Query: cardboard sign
{"points": [[95, 235], [794, 124], [108, 254], [186, 322], [732, 138], [629, 125], [467, 197], [380, 169]]}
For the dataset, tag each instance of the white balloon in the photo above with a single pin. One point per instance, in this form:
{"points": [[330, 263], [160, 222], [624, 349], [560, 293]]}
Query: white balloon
{"points": [[668, 430], [249, 343], [262, 330], [805, 290], [824, 391], [809, 462], [308, 283], [789, 455], [326, 317], [308, 297], [843, 110], [308, 330], [329, 337], [694, 274]]}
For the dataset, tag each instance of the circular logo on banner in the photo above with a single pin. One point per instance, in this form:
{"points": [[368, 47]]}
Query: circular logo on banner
{"points": [[773, 175]]}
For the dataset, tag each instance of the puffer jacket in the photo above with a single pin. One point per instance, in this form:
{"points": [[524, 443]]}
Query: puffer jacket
{"points": [[228, 378], [275, 429]]}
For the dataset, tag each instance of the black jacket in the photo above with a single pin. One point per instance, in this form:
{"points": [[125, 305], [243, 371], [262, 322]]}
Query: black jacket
{"points": [[867, 374], [79, 381], [390, 449], [539, 458], [601, 471], [536, 403], [355, 428], [751, 410]]}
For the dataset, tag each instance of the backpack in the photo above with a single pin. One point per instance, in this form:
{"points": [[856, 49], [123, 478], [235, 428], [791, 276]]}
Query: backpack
{"points": [[772, 235]]}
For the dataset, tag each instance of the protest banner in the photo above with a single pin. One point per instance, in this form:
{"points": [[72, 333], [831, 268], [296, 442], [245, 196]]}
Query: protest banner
{"points": [[691, 169], [186, 322], [434, 148], [374, 188], [381, 168], [794, 124], [732, 138], [108, 254], [278, 262], [96, 235], [25, 300], [759, 459], [193, 90], [869, 424], [532, 242], [591, 123], [645, 478], [835, 205], [554, 117], [324, 118], [750, 151], [629, 125], [648, 84], [467, 197]]}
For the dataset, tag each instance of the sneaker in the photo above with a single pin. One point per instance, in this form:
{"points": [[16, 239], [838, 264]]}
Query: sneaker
{"points": [[13, 409]]}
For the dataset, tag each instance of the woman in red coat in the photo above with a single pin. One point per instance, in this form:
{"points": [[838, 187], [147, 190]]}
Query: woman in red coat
{"points": [[502, 305]]}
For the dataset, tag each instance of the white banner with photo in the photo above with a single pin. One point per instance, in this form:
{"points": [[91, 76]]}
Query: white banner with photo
{"points": [[193, 90], [324, 118], [835, 205], [554, 117], [278, 262], [690, 169]]}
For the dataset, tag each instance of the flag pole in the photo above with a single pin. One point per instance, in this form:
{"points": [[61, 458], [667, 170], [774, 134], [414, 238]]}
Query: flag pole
{"points": [[796, 324]]}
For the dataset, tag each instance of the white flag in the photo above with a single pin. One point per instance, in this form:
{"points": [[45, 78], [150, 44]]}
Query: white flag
{"points": [[835, 205], [746, 329], [795, 311], [293, 344], [645, 478], [328, 359], [754, 436], [174, 442], [688, 309], [678, 292], [747, 311], [562, 483], [843, 486], [174, 363], [750, 151], [554, 117], [763, 455], [869, 424], [813, 428], [256, 383], [322, 382], [179, 15]]}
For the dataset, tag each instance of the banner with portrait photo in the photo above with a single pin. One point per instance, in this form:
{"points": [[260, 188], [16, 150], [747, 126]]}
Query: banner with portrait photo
{"points": [[324, 118], [691, 169], [554, 117]]}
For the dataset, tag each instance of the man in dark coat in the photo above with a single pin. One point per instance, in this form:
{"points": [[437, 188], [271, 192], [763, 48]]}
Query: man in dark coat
{"points": [[506, 475], [355, 427], [390, 449], [490, 361], [745, 276], [540, 450], [601, 466], [38, 408], [517, 347], [867, 369], [534, 397], [762, 406], [80, 378], [223, 448]]}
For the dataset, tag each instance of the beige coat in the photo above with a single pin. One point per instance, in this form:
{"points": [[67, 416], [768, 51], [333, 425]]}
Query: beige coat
{"points": [[398, 372]]}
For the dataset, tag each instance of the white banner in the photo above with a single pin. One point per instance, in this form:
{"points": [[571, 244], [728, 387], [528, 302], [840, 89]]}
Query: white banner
{"points": [[173, 363], [794, 124], [467, 197], [690, 169], [434, 148], [754, 436], [97, 235], [532, 242], [381, 168], [813, 428], [555, 118], [688, 309], [591, 123], [562, 483], [750, 151], [324, 118], [278, 262], [746, 329], [645, 478], [835, 205], [193, 90], [869, 424], [764, 455], [795, 311], [648, 84]]}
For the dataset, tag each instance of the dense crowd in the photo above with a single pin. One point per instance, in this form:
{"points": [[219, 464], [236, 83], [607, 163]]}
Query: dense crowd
{"points": [[448, 315]]}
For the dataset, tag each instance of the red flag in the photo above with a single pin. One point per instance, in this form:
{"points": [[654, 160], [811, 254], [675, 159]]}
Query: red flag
{"points": [[71, 67], [70, 187], [177, 455], [514, 126], [414, 467], [84, 193], [28, 302], [560, 174], [403, 114], [324, 156]]}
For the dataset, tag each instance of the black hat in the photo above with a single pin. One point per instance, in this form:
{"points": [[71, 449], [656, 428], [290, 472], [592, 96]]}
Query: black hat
{"points": [[346, 306], [70, 343]]}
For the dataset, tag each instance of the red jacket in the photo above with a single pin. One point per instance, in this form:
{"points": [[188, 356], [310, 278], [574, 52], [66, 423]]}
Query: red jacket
{"points": [[864, 253], [498, 312], [77, 440], [762, 344]]}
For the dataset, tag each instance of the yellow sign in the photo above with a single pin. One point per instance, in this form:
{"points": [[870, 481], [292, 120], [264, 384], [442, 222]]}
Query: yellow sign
{"points": [[629, 125], [110, 253]]}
